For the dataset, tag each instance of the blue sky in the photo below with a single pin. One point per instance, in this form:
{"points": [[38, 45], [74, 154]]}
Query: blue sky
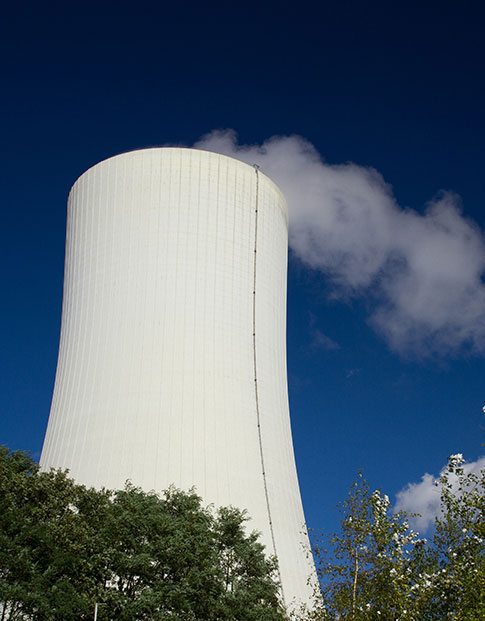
{"points": [[395, 87]]}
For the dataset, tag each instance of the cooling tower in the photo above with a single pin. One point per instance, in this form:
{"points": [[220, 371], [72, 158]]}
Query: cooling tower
{"points": [[172, 357]]}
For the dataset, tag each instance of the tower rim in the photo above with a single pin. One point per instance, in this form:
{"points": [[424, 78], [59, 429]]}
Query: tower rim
{"points": [[133, 152]]}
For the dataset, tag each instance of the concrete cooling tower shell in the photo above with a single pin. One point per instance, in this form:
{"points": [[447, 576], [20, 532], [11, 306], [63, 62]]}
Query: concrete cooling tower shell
{"points": [[172, 358]]}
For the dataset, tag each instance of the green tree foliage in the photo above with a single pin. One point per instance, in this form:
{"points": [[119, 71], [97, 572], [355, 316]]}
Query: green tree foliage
{"points": [[377, 568], [452, 582], [64, 547]]}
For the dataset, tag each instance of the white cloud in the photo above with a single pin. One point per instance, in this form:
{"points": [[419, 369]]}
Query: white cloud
{"points": [[322, 341], [423, 272], [424, 497]]}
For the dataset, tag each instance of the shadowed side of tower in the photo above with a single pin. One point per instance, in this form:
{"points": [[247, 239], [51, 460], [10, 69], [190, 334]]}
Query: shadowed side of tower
{"points": [[172, 359]]}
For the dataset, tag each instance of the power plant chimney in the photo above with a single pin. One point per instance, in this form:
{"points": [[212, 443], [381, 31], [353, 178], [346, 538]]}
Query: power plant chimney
{"points": [[172, 357]]}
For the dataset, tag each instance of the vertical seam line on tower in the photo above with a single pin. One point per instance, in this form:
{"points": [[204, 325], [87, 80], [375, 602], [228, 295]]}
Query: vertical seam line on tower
{"points": [[256, 394]]}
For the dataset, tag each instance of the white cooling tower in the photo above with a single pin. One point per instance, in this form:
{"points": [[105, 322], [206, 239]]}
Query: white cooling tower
{"points": [[172, 358]]}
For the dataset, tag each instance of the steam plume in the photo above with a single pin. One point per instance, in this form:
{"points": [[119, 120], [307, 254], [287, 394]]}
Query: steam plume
{"points": [[423, 271]]}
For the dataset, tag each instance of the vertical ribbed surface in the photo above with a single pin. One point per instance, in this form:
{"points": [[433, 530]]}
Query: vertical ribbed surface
{"points": [[156, 371]]}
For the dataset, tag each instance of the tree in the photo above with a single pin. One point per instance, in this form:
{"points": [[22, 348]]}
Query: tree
{"points": [[44, 541], [64, 547], [248, 577], [455, 582], [364, 575], [378, 568]]}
